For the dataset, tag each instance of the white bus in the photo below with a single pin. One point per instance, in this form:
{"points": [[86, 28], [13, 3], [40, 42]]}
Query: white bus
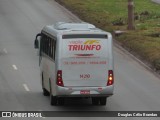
{"points": [[76, 60]]}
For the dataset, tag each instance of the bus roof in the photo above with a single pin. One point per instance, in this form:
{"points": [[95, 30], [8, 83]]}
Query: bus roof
{"points": [[72, 28]]}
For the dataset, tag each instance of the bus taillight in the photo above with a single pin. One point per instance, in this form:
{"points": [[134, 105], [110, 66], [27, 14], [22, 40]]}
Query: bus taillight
{"points": [[59, 78], [110, 78]]}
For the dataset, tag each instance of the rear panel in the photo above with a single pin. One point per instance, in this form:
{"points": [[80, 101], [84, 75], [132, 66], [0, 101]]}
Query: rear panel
{"points": [[85, 60]]}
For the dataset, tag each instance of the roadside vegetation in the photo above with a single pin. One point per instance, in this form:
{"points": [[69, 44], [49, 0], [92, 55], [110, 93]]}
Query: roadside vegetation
{"points": [[111, 15]]}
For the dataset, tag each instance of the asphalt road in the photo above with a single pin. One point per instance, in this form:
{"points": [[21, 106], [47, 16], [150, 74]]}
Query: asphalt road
{"points": [[156, 1], [136, 88]]}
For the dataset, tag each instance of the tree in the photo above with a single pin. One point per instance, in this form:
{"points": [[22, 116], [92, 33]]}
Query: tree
{"points": [[131, 25]]}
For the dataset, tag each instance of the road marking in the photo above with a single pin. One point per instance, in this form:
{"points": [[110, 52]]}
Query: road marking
{"points": [[5, 51], [14, 67], [26, 87]]}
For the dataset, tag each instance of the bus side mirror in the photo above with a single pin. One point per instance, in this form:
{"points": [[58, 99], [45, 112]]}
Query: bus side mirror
{"points": [[36, 42]]}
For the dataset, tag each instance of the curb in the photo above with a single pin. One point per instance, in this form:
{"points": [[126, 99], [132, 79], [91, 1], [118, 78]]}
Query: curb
{"points": [[145, 65]]}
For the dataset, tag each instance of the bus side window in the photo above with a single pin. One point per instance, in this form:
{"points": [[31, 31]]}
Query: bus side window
{"points": [[51, 49], [54, 49], [46, 45], [43, 43]]}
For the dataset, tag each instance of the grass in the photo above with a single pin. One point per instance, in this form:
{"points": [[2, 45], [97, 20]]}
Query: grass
{"points": [[111, 15]]}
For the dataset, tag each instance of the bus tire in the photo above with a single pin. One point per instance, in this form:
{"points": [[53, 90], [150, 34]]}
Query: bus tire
{"points": [[103, 101], [53, 99], [95, 100], [61, 101], [45, 92]]}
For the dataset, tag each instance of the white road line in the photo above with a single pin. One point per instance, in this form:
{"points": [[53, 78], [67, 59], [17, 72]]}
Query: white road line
{"points": [[14, 67], [26, 87], [5, 51]]}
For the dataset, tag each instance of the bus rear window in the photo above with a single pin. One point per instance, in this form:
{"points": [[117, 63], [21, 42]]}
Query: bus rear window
{"points": [[102, 36]]}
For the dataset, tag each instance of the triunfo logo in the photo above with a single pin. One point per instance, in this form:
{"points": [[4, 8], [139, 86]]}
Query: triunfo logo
{"points": [[88, 45]]}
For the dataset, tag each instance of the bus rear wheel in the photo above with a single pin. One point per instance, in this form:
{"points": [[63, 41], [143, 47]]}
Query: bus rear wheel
{"points": [[95, 101], [61, 101], [45, 92], [103, 100], [53, 99]]}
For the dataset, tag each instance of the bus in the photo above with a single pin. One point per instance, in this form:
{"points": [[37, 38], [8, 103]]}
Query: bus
{"points": [[76, 60]]}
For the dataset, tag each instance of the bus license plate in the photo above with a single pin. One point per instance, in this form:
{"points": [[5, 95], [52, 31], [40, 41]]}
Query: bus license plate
{"points": [[85, 92]]}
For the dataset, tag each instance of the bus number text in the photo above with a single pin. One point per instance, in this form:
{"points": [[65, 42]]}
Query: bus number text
{"points": [[85, 76]]}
